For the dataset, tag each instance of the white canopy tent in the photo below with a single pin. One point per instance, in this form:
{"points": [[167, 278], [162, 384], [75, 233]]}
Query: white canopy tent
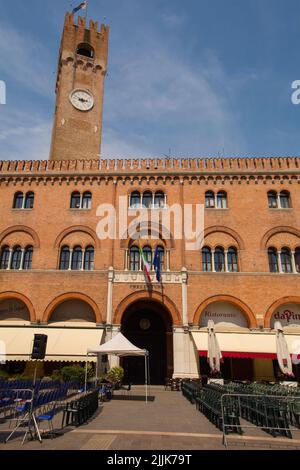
{"points": [[120, 346]]}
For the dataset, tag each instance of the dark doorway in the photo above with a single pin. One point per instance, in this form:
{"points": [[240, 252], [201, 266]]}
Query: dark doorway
{"points": [[148, 325]]}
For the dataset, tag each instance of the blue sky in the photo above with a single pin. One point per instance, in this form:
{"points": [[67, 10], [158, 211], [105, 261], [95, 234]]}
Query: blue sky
{"points": [[202, 77]]}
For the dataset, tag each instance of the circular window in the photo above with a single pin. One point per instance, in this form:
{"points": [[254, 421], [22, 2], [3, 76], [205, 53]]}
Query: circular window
{"points": [[145, 324]]}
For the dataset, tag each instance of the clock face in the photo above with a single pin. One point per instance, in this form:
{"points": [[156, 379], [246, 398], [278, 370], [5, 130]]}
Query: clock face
{"points": [[82, 100]]}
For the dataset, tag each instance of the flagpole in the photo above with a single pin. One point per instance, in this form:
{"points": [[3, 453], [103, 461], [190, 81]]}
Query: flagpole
{"points": [[86, 10]]}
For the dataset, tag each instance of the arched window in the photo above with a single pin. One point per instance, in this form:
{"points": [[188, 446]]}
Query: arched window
{"points": [[27, 261], [16, 258], [206, 259], [134, 259], [29, 200], [286, 260], [76, 264], [87, 200], [272, 200], [159, 200], [232, 260], [273, 260], [18, 201], [285, 200], [161, 255], [64, 262], [297, 259], [219, 259], [75, 200], [148, 255], [86, 50], [209, 200], [4, 260], [147, 200], [222, 200], [135, 200], [89, 257]]}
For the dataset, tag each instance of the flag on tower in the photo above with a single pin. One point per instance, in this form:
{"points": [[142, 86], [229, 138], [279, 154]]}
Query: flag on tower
{"points": [[82, 6], [146, 266]]}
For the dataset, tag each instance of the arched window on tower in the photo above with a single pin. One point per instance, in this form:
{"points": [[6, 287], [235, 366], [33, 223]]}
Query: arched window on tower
{"points": [[27, 261], [147, 200], [222, 200], [134, 259], [76, 264], [135, 200], [219, 259], [297, 259], [29, 200], [75, 200], [87, 200], [209, 200], [161, 255], [285, 200], [159, 200], [206, 259], [148, 255], [4, 260], [86, 50], [232, 260], [286, 260], [64, 262], [16, 258], [18, 201], [272, 200], [273, 260], [89, 257]]}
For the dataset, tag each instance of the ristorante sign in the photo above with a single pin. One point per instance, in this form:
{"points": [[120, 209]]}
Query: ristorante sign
{"points": [[225, 314], [288, 315]]}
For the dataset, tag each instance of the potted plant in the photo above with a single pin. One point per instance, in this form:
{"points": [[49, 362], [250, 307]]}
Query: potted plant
{"points": [[115, 376]]}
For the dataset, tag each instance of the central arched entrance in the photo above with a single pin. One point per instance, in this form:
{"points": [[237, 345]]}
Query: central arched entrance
{"points": [[148, 325]]}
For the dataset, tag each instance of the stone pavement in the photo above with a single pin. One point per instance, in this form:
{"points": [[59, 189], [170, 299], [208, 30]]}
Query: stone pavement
{"points": [[167, 422]]}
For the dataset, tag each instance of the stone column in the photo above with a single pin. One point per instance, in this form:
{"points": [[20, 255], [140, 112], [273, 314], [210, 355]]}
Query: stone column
{"points": [[82, 261], [213, 268], [126, 259], [9, 259], [22, 259], [111, 332], [186, 362], [294, 269], [109, 295], [70, 260], [184, 278], [279, 262], [226, 261], [168, 260]]}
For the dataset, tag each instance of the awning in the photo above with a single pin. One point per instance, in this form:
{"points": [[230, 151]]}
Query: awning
{"points": [[246, 345], [64, 344]]}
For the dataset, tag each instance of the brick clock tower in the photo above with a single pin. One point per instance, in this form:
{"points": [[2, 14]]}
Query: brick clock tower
{"points": [[81, 73]]}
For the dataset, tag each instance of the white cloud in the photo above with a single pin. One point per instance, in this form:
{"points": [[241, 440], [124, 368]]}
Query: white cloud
{"points": [[24, 137], [25, 60]]}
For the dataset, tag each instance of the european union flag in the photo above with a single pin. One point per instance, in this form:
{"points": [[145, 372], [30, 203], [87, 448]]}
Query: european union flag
{"points": [[157, 265]]}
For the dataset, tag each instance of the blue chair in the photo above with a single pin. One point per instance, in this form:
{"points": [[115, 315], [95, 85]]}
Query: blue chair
{"points": [[48, 417]]}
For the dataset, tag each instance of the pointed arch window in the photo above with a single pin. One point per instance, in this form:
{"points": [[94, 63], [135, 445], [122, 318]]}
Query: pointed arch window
{"points": [[18, 201], [222, 200], [134, 259], [286, 260], [5, 255], [232, 260], [273, 260], [219, 259], [16, 258], [209, 200], [76, 264], [89, 257], [64, 262], [27, 261], [206, 259]]}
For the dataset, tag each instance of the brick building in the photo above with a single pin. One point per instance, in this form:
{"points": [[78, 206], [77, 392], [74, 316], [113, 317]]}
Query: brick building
{"points": [[57, 277]]}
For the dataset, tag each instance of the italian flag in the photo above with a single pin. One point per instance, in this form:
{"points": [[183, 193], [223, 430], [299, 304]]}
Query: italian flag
{"points": [[145, 266]]}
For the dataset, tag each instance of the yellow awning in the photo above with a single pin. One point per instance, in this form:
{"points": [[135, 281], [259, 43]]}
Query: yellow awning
{"points": [[64, 344]]}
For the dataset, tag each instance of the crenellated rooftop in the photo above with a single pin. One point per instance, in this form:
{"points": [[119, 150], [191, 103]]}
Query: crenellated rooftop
{"points": [[155, 166]]}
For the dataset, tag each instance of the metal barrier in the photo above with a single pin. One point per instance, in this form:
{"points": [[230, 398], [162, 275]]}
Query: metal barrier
{"points": [[271, 413]]}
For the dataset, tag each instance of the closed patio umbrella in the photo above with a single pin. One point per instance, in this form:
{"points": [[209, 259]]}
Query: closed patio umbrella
{"points": [[283, 354], [213, 350]]}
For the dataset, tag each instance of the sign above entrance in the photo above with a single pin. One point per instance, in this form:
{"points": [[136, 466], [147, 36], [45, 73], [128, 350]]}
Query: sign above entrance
{"points": [[288, 315], [224, 315]]}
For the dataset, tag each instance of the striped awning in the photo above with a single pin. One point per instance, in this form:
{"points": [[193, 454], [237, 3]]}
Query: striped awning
{"points": [[64, 344]]}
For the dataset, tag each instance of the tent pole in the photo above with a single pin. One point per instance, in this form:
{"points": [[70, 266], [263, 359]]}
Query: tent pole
{"points": [[146, 378], [86, 374]]}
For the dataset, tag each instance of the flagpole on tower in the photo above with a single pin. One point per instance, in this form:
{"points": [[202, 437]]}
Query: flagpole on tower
{"points": [[86, 9]]}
